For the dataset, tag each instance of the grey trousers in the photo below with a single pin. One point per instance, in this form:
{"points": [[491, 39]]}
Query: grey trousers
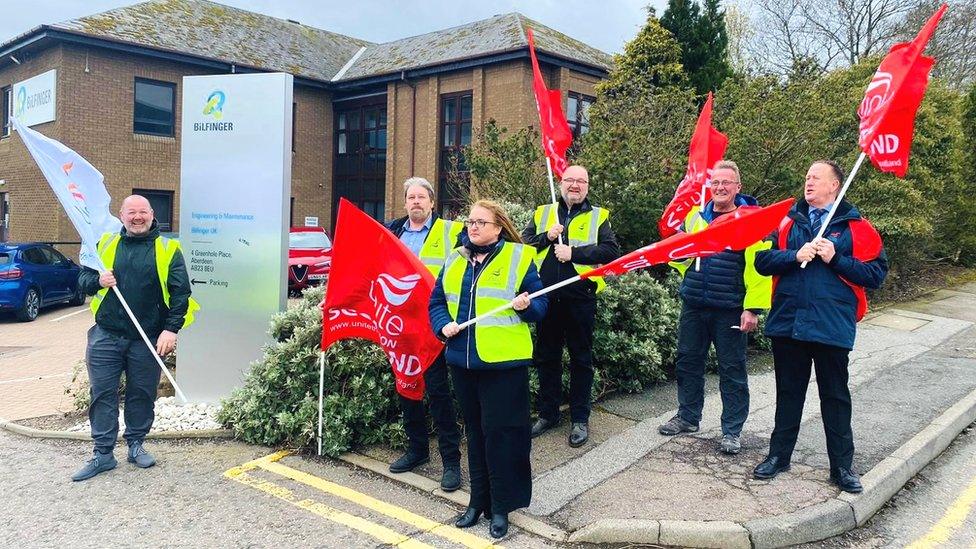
{"points": [[108, 356]]}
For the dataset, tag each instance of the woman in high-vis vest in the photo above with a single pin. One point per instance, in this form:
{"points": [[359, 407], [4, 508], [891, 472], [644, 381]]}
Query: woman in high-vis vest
{"points": [[489, 360]]}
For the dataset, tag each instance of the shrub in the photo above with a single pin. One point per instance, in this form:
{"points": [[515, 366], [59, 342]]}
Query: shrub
{"points": [[278, 403]]}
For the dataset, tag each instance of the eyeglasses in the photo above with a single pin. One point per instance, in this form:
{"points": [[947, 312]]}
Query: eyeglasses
{"points": [[573, 181], [724, 183], [478, 223]]}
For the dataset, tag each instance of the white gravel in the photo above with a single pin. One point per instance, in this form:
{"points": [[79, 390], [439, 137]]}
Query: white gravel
{"points": [[172, 415]]}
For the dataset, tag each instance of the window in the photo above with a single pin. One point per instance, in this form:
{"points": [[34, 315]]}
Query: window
{"points": [[52, 256], [162, 205], [578, 113], [456, 125], [7, 104], [35, 256], [154, 110], [294, 124]]}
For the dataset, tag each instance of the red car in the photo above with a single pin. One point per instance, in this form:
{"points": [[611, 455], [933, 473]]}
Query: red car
{"points": [[309, 258]]}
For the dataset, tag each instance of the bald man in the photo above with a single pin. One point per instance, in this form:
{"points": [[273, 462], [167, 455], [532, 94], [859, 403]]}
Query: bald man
{"points": [[570, 237], [149, 271]]}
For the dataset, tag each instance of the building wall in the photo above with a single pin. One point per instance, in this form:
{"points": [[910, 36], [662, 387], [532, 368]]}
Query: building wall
{"points": [[502, 92], [95, 96]]}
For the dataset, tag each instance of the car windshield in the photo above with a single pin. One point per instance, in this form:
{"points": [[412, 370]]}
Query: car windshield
{"points": [[4, 259], [308, 240]]}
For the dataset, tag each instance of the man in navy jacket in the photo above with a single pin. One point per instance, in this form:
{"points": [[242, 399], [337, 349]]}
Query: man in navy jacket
{"points": [[814, 314]]}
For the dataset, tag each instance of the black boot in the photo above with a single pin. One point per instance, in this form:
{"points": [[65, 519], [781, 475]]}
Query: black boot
{"points": [[469, 518], [499, 525]]}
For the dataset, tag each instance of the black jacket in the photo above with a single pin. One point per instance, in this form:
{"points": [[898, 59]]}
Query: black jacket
{"points": [[396, 227], [137, 279], [552, 270]]}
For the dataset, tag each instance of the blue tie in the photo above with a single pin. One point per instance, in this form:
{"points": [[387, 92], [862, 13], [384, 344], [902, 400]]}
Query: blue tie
{"points": [[816, 216]]}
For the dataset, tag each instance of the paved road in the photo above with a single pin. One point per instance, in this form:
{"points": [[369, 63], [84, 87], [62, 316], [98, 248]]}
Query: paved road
{"points": [[200, 496], [937, 508]]}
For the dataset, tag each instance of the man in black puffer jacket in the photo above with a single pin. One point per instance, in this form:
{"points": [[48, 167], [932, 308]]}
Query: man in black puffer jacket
{"points": [[721, 299], [150, 272]]}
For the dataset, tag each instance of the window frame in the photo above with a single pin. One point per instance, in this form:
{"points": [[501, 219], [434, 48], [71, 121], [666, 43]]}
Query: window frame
{"points": [[575, 119], [6, 104], [444, 199], [171, 195], [161, 83]]}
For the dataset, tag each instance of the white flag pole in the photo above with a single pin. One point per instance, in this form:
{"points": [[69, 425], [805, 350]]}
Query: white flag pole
{"points": [[701, 210], [552, 192], [830, 215], [321, 392]]}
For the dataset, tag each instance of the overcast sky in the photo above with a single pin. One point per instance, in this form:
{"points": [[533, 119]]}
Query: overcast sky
{"points": [[606, 25]]}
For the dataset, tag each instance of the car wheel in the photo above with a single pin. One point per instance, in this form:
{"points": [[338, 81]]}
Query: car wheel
{"points": [[32, 305], [79, 297]]}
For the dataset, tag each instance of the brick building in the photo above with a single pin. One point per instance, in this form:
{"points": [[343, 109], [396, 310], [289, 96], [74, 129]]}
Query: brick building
{"points": [[367, 116]]}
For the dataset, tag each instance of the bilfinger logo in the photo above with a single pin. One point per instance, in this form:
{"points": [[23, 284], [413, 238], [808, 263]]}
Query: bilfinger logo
{"points": [[397, 290]]}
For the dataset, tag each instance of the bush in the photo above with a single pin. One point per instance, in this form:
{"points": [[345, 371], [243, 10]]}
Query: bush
{"points": [[635, 337], [278, 403]]}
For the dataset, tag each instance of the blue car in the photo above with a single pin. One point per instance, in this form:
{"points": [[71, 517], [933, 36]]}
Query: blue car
{"points": [[35, 275]]}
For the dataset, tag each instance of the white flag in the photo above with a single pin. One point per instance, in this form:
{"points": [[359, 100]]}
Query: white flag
{"points": [[79, 187]]}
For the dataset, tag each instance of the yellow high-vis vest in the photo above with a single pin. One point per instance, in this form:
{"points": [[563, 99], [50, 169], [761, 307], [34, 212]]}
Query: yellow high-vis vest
{"points": [[501, 337], [759, 288], [165, 250], [439, 244], [582, 231]]}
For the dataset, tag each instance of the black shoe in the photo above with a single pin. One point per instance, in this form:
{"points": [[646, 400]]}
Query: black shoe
{"points": [[408, 462], [451, 479], [579, 435], [846, 480], [770, 467], [542, 425], [469, 518], [499, 525], [675, 426]]}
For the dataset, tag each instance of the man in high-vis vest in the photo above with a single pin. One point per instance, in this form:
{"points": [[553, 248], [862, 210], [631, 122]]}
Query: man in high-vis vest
{"points": [[721, 298], [814, 316], [570, 238], [150, 273], [432, 239]]}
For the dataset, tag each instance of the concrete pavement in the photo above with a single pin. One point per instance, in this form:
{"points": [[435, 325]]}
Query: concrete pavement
{"points": [[913, 381]]}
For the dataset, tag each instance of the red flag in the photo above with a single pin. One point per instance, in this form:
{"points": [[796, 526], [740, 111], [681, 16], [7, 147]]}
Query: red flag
{"points": [[736, 231], [556, 137], [888, 110], [378, 290], [707, 147]]}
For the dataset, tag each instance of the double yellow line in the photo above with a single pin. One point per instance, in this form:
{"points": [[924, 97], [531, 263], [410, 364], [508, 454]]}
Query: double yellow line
{"points": [[270, 463], [954, 517]]}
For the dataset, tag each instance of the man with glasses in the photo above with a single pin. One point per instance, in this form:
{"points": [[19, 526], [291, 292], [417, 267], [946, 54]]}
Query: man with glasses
{"points": [[432, 239], [721, 299], [571, 237]]}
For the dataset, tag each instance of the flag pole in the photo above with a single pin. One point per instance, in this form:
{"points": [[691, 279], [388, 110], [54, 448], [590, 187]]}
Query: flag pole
{"points": [[149, 344], [321, 393], [552, 192], [508, 305], [840, 196], [701, 210]]}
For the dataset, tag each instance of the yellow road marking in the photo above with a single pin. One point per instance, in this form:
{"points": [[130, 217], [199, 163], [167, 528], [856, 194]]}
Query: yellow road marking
{"points": [[270, 463], [950, 522], [382, 533], [448, 532]]}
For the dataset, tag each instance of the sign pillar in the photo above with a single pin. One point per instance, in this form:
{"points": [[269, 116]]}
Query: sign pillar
{"points": [[235, 189]]}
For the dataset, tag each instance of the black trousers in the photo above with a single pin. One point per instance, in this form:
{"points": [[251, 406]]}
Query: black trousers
{"points": [[698, 328], [108, 356], [568, 322], [437, 387], [495, 408], [792, 361]]}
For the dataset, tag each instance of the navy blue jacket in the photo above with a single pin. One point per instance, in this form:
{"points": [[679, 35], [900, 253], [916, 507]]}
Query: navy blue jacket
{"points": [[718, 282], [461, 350], [814, 304]]}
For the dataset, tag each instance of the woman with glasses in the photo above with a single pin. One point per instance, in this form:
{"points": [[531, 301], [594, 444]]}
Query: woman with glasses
{"points": [[489, 360]]}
